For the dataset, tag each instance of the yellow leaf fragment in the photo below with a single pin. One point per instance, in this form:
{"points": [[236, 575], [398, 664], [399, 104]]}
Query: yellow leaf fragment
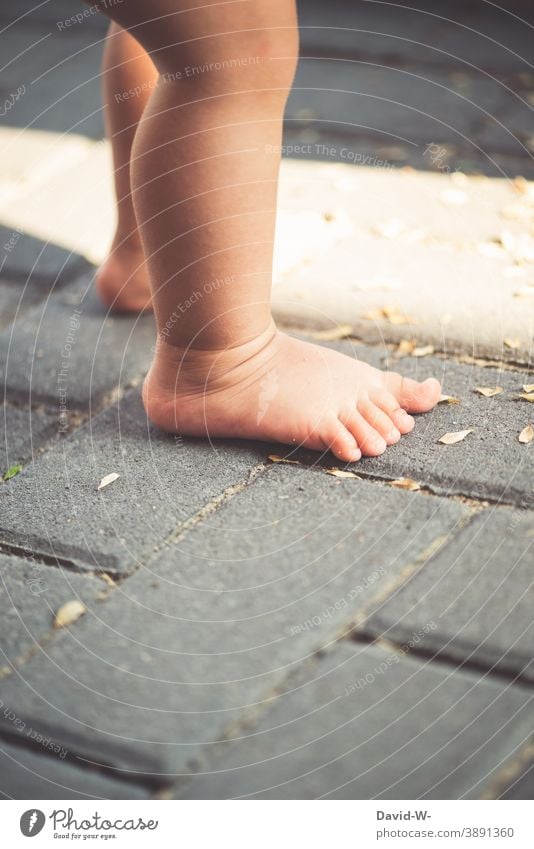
{"points": [[527, 396], [488, 391], [513, 344], [520, 185], [395, 316], [69, 613], [342, 473], [274, 458], [392, 314], [524, 292], [528, 387], [526, 435], [425, 351], [448, 399], [516, 212], [373, 315], [406, 483], [331, 335], [454, 437], [113, 476], [406, 347]]}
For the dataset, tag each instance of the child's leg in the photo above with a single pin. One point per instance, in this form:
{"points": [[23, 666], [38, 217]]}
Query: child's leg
{"points": [[204, 174], [128, 79]]}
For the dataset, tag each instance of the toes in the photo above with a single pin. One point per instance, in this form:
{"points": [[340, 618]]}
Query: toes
{"points": [[371, 443], [403, 420], [380, 421], [411, 394], [342, 443], [387, 402]]}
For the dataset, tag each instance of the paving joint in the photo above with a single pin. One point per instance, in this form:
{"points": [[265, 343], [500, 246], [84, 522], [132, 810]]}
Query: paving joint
{"points": [[142, 779], [443, 659], [510, 773]]}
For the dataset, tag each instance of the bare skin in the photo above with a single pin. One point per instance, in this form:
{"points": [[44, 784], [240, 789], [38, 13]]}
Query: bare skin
{"points": [[203, 173], [122, 281]]}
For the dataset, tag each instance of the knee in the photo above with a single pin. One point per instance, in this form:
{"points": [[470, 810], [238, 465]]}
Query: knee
{"points": [[262, 61]]}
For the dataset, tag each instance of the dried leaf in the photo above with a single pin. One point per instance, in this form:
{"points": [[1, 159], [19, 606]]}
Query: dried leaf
{"points": [[69, 613], [528, 387], [339, 332], [395, 316], [488, 391], [107, 579], [527, 396], [342, 473], [406, 483], [108, 479], [423, 352], [11, 472], [391, 314], [520, 185], [406, 347], [274, 458], [448, 399], [513, 344], [526, 435], [453, 438], [516, 212], [373, 315]]}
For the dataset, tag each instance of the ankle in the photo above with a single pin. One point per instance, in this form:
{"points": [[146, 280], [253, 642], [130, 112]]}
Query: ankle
{"points": [[126, 242], [191, 369]]}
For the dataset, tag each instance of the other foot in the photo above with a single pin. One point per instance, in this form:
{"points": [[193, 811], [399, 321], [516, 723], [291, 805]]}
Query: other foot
{"points": [[122, 281]]}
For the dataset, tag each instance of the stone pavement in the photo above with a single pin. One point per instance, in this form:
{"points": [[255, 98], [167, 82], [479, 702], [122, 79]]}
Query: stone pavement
{"points": [[264, 629]]}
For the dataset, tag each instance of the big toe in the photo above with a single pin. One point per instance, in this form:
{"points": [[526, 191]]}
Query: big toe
{"points": [[415, 396]]}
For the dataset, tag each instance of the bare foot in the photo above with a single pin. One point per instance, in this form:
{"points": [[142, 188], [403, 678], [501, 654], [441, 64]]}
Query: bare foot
{"points": [[122, 281], [276, 388]]}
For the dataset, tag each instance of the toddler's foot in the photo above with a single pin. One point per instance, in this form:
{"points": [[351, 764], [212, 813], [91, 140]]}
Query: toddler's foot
{"points": [[122, 281], [279, 389]]}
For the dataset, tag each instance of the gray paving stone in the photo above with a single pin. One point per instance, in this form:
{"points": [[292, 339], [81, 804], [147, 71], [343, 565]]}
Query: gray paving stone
{"points": [[53, 506], [364, 724], [38, 15], [59, 76], [222, 617], [479, 591], [38, 264], [418, 104], [23, 434], [15, 299], [522, 787], [490, 463], [71, 354], [30, 595], [26, 774], [438, 33]]}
